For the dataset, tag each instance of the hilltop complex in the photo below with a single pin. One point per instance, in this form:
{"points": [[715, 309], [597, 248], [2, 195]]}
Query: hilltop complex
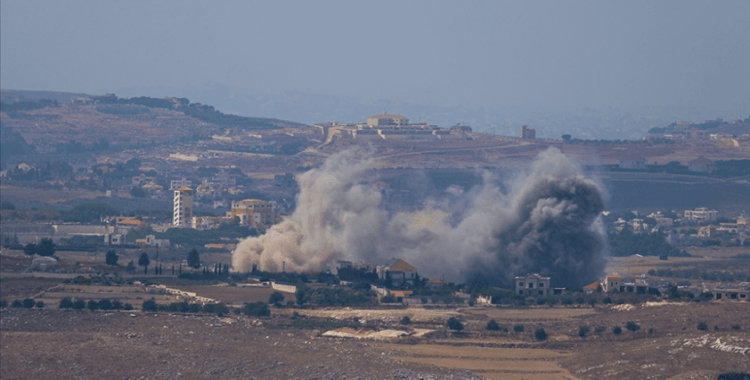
{"points": [[386, 127]]}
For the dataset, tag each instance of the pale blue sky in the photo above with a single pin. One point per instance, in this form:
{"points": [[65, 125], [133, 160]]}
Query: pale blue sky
{"points": [[441, 53]]}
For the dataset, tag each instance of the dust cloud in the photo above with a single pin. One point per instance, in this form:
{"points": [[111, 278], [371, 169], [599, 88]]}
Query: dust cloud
{"points": [[546, 222]]}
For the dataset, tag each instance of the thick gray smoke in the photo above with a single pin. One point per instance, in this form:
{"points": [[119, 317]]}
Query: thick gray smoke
{"points": [[546, 224]]}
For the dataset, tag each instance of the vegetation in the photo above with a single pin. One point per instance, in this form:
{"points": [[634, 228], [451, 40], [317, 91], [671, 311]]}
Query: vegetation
{"points": [[583, 331], [627, 243], [632, 326], [492, 325], [617, 330], [540, 334], [454, 324], [256, 309], [518, 328], [111, 258], [29, 303], [276, 299], [702, 326], [144, 261], [194, 259], [405, 320]]}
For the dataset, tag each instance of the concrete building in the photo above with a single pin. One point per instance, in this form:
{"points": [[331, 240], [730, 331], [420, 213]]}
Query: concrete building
{"points": [[399, 270], [702, 165], [741, 292], [701, 214], [527, 133], [612, 282], [387, 120], [183, 207], [178, 183], [533, 284], [255, 213], [633, 163]]}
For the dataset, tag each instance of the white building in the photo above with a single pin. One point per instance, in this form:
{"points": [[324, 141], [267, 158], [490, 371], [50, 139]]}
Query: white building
{"points": [[701, 214], [183, 207], [178, 183], [533, 284]]}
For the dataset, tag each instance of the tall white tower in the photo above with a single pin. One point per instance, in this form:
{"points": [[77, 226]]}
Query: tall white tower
{"points": [[183, 207]]}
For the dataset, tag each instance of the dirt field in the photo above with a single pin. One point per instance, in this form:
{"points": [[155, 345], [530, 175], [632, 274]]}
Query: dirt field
{"points": [[53, 343]]}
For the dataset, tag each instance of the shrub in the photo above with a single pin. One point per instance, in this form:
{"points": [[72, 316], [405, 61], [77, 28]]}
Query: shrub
{"points": [[256, 309], [632, 326], [127, 306], [607, 300], [388, 299], [736, 327], [105, 304], [405, 320], [617, 330], [455, 324], [149, 305], [518, 328], [217, 308], [702, 326], [599, 329], [29, 303], [92, 305], [492, 325], [651, 330], [540, 334], [39, 304], [117, 305], [583, 330], [16, 303], [3, 304], [79, 304], [66, 303]]}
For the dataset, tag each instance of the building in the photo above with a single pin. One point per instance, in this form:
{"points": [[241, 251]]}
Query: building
{"points": [[612, 282], [435, 283], [741, 292], [399, 271], [527, 133], [702, 165], [387, 120], [178, 183], [255, 213], [708, 232], [633, 163], [183, 207], [696, 134], [701, 214], [533, 285]]}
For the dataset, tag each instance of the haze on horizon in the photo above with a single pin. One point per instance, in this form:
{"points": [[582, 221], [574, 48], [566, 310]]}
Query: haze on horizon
{"points": [[435, 53]]}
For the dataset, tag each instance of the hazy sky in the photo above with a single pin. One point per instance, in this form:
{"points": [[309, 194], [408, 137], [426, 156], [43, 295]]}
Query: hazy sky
{"points": [[470, 53]]}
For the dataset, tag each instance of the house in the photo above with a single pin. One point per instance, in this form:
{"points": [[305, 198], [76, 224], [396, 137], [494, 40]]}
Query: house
{"points": [[435, 283], [533, 285], [399, 271], [593, 287], [400, 295], [612, 282], [741, 292], [178, 183], [702, 165], [527, 133], [701, 214], [633, 163]]}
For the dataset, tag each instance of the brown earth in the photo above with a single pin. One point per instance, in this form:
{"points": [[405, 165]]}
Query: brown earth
{"points": [[53, 343]]}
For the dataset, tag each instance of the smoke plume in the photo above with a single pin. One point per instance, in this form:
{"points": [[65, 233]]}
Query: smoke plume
{"points": [[546, 223]]}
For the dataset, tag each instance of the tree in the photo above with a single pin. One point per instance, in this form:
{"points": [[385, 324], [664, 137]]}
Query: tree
{"points": [[540, 334], [194, 259], [29, 303], [39, 304], [30, 249], [702, 326], [92, 305], [492, 325], [137, 192], [582, 331], [79, 304], [617, 330], [16, 303], [111, 258], [46, 247], [149, 305], [632, 326], [256, 309], [455, 324], [405, 320], [276, 299], [66, 303], [144, 261], [518, 328], [566, 137], [130, 267]]}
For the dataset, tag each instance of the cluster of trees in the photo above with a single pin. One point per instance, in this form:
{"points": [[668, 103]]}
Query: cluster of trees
{"points": [[704, 275], [73, 146], [46, 247], [627, 243], [27, 303], [104, 304], [42, 171], [184, 307], [358, 294]]}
